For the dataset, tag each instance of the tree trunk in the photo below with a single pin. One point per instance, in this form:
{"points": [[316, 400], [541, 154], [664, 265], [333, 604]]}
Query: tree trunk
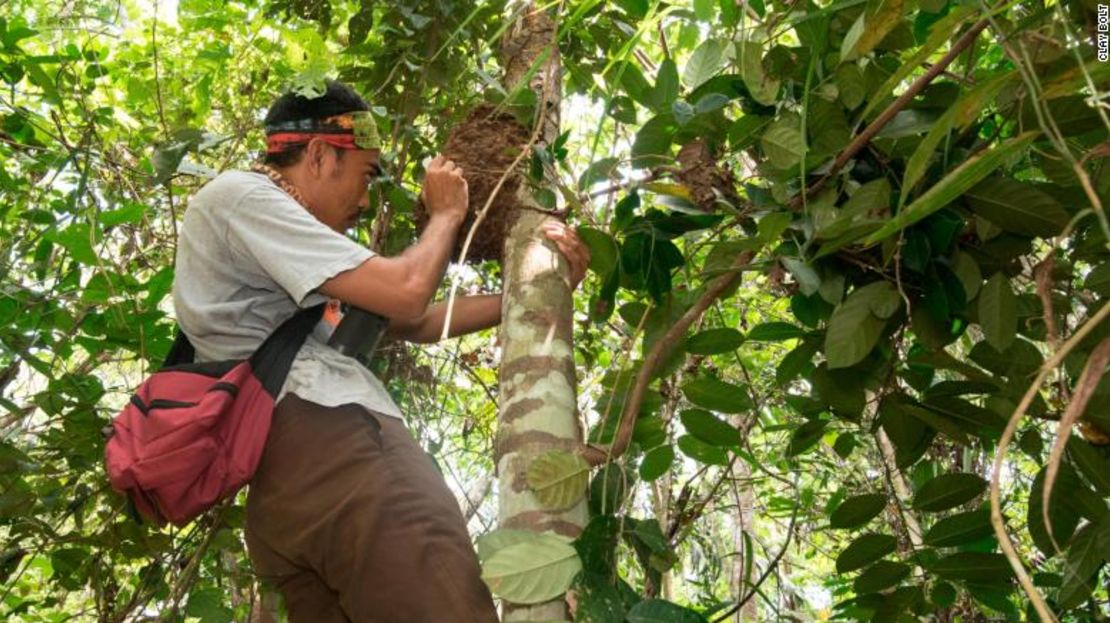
{"points": [[537, 379]]}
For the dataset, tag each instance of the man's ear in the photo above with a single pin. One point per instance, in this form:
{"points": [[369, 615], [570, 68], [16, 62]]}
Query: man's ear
{"points": [[316, 152]]}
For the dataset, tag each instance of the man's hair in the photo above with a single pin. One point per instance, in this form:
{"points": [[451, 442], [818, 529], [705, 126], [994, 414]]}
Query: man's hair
{"points": [[337, 99]]}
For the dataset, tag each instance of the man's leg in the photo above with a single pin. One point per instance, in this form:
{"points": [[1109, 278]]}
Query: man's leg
{"points": [[354, 499]]}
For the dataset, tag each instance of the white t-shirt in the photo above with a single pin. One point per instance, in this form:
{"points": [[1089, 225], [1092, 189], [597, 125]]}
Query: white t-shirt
{"points": [[248, 257]]}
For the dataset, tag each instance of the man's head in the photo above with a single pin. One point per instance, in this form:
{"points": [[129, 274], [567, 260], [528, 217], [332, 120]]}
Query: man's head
{"points": [[328, 148]]}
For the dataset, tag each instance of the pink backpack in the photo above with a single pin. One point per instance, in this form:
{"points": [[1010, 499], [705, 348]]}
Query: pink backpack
{"points": [[193, 433]]}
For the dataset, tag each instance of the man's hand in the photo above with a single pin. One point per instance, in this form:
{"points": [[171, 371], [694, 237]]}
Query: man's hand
{"points": [[445, 191], [576, 252]]}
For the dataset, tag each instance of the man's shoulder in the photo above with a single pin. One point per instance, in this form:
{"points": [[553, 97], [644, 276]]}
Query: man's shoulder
{"points": [[229, 187]]}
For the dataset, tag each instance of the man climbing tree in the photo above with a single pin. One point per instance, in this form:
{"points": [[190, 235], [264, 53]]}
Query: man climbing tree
{"points": [[346, 515]]}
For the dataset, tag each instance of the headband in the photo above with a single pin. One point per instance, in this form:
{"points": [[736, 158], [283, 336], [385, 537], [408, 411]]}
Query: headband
{"points": [[352, 130]]}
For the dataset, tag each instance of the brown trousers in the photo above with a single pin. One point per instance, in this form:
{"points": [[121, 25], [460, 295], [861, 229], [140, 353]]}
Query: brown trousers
{"points": [[348, 518]]}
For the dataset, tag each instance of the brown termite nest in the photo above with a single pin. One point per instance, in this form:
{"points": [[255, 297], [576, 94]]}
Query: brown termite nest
{"points": [[485, 146], [707, 180]]}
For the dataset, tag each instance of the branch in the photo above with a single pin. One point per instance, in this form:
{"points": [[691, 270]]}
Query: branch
{"points": [[998, 521], [766, 572], [598, 455], [895, 107]]}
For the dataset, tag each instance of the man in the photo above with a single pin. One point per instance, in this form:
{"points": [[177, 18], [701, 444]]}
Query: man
{"points": [[346, 515]]}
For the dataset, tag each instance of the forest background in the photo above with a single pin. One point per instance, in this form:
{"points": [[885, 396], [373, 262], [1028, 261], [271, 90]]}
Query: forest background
{"points": [[849, 283]]}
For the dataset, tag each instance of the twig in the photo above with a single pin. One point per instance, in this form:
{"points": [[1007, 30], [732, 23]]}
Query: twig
{"points": [[1084, 388], [895, 107], [997, 520], [597, 455], [766, 572]]}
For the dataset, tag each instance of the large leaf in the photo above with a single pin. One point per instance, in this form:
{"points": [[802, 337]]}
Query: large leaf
{"points": [[709, 428], [1085, 557], [702, 452], [959, 529], [774, 332], [706, 60], [864, 551], [977, 567], [948, 491], [783, 144], [762, 87], [857, 510], [714, 341], [854, 329], [1092, 463], [660, 611], [1018, 207], [532, 571], [880, 576], [956, 183], [716, 395], [558, 478], [879, 19], [656, 462], [998, 312]]}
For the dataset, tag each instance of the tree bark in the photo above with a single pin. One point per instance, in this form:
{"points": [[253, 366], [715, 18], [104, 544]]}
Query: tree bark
{"points": [[537, 378]]}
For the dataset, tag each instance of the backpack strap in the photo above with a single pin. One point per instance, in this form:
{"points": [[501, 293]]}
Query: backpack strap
{"points": [[274, 357], [182, 351], [272, 360]]}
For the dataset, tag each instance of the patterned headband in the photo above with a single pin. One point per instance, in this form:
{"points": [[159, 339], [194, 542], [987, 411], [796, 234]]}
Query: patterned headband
{"points": [[352, 130]]}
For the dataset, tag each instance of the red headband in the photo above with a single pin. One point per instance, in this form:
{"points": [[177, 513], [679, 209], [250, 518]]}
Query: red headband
{"points": [[283, 141]]}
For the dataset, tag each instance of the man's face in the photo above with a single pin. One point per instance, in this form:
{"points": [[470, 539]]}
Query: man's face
{"points": [[342, 194]]}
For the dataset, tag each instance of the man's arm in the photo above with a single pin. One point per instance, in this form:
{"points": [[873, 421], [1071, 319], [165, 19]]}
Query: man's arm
{"points": [[470, 314], [401, 287]]}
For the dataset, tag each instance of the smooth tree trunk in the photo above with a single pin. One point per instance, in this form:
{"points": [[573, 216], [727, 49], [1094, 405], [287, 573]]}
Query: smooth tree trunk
{"points": [[537, 379]]}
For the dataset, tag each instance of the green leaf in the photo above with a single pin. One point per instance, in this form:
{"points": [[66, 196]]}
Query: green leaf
{"points": [[1085, 557], [763, 88], [659, 611], [1018, 207], [998, 312], [709, 428], [1092, 463], [977, 567], [78, 240], [806, 436], [490, 542], [706, 60], [656, 462], [865, 550], [775, 332], [598, 601], [208, 604], [666, 85], [714, 341], [880, 18], [850, 84], [131, 213], [716, 395], [653, 141], [960, 529], [598, 171], [967, 270], [854, 329], [604, 250], [532, 571], [880, 576], [783, 144], [948, 491], [558, 478], [956, 183], [807, 278], [857, 510], [702, 452], [957, 116], [1098, 280]]}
